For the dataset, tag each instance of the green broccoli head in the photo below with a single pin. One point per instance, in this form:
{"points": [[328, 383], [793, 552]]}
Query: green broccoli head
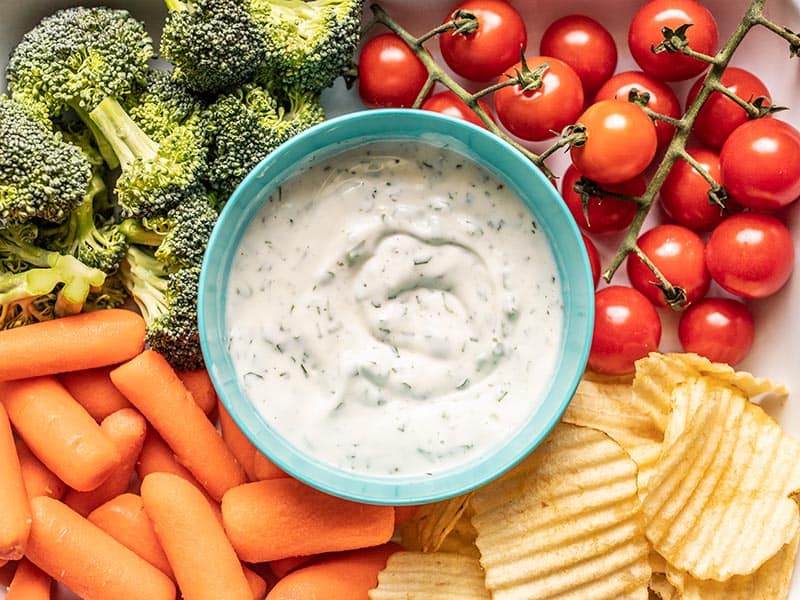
{"points": [[168, 304], [249, 123], [156, 176], [214, 44], [78, 56], [161, 105], [308, 43], [41, 176]]}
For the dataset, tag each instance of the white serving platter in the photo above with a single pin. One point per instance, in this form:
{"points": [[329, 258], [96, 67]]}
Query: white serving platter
{"points": [[776, 351]]}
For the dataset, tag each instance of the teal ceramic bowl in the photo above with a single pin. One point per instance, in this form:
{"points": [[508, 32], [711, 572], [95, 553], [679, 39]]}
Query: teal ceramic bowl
{"points": [[506, 163]]}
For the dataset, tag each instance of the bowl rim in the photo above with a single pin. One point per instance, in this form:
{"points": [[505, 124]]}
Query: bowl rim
{"points": [[504, 161]]}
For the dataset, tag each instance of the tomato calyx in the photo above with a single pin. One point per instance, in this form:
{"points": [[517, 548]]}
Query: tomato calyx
{"points": [[675, 41], [463, 22], [528, 80], [674, 296], [588, 189]]}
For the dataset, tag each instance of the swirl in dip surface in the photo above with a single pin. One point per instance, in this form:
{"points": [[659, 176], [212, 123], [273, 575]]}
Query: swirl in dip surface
{"points": [[394, 309]]}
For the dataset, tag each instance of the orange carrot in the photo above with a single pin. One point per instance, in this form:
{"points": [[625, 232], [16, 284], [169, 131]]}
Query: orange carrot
{"points": [[257, 584], [87, 560], [345, 576], [124, 519], [74, 343], [199, 385], [39, 480], [277, 518], [29, 583], [283, 566], [15, 514], [94, 391], [126, 428], [202, 558], [59, 431], [152, 386], [264, 468], [242, 448]]}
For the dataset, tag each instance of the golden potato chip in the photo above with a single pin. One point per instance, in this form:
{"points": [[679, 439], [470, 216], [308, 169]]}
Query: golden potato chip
{"points": [[646, 458], [749, 384], [662, 588], [461, 540], [565, 523], [770, 582], [719, 503], [432, 522], [430, 576]]}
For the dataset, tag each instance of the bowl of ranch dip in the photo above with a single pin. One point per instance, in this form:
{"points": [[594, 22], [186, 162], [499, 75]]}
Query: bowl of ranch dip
{"points": [[395, 306]]}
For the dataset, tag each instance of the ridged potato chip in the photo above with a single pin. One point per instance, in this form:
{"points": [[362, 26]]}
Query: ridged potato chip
{"points": [[662, 588], [430, 576], [461, 540], [770, 582], [432, 523], [719, 503], [565, 523]]}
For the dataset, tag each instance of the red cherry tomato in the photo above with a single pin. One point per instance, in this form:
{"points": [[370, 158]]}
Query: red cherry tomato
{"points": [[594, 259], [684, 193], [720, 329], [662, 99], [389, 74], [495, 45], [449, 104], [645, 32], [536, 114], [620, 142], [626, 328], [750, 255], [720, 115], [602, 215], [584, 45], [678, 253], [760, 164]]}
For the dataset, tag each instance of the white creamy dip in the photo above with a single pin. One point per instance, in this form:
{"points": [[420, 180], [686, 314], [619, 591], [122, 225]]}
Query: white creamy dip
{"points": [[394, 310]]}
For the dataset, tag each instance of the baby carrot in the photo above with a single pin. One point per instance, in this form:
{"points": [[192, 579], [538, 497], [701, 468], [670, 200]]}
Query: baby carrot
{"points": [[83, 341], [59, 431], [126, 428], [87, 560], [283, 566], [124, 519], [15, 515], [29, 583], [39, 480], [93, 390], [346, 576], [258, 586], [277, 518], [264, 468], [242, 448], [199, 385], [204, 563], [152, 386]]}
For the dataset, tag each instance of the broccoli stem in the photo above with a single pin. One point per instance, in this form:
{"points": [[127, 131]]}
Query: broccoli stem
{"points": [[105, 149], [15, 287], [146, 281], [125, 136], [139, 234]]}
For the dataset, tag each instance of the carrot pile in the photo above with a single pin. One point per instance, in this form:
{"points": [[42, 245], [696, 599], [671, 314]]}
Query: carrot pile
{"points": [[117, 483]]}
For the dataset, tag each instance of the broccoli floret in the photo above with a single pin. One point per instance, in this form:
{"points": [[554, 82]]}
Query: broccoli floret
{"points": [[94, 242], [168, 304], [249, 123], [156, 175], [41, 176], [214, 44], [161, 105], [29, 271], [180, 237], [308, 43]]}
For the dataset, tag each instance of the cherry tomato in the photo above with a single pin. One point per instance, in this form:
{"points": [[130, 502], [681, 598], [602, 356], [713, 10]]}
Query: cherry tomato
{"points": [[750, 255], [684, 193], [720, 115], [539, 114], [678, 253], [594, 259], [626, 328], [495, 45], [662, 99], [620, 142], [389, 73], [584, 45], [760, 164], [448, 103], [645, 33], [720, 329], [602, 214]]}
